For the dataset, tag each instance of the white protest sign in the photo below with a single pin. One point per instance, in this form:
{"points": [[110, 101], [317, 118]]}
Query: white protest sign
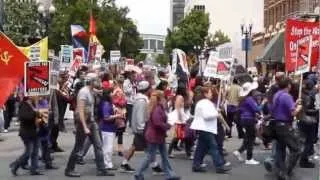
{"points": [[115, 57]]}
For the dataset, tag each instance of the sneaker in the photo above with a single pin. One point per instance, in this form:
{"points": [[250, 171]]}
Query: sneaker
{"points": [[252, 162], [72, 174], [238, 155], [199, 169], [174, 178], [190, 157], [204, 165], [126, 168], [268, 164], [5, 131], [227, 163], [306, 164], [223, 169], [157, 170], [104, 173], [171, 156]]}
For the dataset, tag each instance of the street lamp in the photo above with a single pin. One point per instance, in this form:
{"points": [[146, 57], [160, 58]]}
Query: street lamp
{"points": [[45, 9], [246, 31], [197, 49]]}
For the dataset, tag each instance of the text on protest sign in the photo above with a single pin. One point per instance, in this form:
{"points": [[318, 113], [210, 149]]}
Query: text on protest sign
{"points": [[37, 78]]}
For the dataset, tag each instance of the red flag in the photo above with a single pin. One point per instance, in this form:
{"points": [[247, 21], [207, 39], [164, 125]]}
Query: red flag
{"points": [[92, 27], [11, 67]]}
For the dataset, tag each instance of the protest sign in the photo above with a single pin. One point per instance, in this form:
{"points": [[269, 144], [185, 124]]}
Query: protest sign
{"points": [[211, 68], [37, 51], [54, 72], [295, 31], [37, 78], [303, 56], [66, 54], [79, 52], [225, 51], [115, 57]]}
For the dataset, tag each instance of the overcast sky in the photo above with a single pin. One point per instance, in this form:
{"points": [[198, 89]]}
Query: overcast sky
{"points": [[153, 16]]}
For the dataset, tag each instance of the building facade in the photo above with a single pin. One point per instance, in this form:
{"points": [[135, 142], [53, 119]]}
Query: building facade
{"points": [[152, 43], [176, 12], [201, 5], [275, 14]]}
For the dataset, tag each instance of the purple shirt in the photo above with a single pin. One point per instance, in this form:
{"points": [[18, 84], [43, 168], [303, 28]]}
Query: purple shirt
{"points": [[248, 109], [283, 105], [106, 110]]}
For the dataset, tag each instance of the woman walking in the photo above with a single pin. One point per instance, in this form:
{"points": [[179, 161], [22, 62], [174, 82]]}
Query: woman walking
{"points": [[155, 134], [108, 127], [248, 112], [205, 123]]}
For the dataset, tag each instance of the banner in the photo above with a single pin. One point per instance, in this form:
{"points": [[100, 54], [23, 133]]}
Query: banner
{"points": [[79, 52], [11, 67], [303, 55], [37, 79], [295, 31], [66, 54], [37, 51]]}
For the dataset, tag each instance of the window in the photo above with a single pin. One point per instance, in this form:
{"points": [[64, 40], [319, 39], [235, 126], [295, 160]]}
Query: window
{"points": [[145, 44], [152, 44], [160, 45], [199, 8]]}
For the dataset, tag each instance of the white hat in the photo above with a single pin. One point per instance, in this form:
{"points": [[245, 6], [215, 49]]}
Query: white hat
{"points": [[247, 87], [91, 76], [143, 85]]}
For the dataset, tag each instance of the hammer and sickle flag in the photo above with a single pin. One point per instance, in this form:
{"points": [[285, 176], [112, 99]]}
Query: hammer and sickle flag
{"points": [[11, 67]]}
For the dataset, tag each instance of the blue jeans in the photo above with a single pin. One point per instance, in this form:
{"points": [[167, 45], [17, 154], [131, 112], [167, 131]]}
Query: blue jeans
{"points": [[150, 157], [207, 143], [31, 151]]}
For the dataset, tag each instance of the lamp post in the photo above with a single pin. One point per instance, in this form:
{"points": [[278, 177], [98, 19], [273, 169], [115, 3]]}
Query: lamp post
{"points": [[45, 9], [246, 32], [197, 49]]}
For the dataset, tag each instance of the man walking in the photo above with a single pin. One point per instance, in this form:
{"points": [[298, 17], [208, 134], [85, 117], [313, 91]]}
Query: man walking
{"points": [[87, 126]]}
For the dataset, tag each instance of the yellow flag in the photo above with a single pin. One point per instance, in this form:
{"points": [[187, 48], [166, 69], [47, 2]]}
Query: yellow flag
{"points": [[37, 51]]}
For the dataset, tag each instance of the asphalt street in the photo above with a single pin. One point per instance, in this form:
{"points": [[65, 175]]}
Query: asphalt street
{"points": [[12, 147]]}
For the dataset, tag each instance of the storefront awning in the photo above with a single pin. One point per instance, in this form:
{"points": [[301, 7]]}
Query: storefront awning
{"points": [[274, 51]]}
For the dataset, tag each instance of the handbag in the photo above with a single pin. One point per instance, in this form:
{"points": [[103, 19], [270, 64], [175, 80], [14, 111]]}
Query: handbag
{"points": [[180, 131], [266, 129]]}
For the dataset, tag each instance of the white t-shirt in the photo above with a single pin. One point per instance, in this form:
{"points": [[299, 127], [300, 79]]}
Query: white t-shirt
{"points": [[205, 117]]}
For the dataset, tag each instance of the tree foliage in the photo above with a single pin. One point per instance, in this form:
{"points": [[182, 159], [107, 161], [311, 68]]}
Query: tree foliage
{"points": [[21, 21], [192, 30], [217, 39], [109, 21], [163, 59]]}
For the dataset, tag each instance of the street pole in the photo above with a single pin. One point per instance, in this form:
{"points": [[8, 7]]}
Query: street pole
{"points": [[246, 48], [246, 31]]}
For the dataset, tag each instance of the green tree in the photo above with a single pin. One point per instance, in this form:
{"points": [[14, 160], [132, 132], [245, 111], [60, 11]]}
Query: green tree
{"points": [[217, 39], [109, 21], [140, 57], [21, 21], [163, 59], [192, 30]]}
